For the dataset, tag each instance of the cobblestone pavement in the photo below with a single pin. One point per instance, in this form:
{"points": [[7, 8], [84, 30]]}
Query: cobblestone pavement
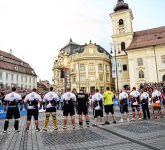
{"points": [[142, 135]]}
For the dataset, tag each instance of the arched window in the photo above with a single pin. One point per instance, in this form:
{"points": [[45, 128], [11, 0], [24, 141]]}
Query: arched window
{"points": [[122, 46], [121, 22], [163, 78], [141, 74]]}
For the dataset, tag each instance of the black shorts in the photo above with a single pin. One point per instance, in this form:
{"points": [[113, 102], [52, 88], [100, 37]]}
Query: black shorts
{"points": [[83, 110], [123, 108], [13, 111], [135, 107], [32, 112], [68, 110], [156, 108], [51, 109], [109, 109], [98, 113]]}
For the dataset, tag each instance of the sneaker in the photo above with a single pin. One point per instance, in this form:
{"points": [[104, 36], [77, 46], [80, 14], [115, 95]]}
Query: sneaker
{"points": [[37, 129], [107, 122], [55, 128], [140, 118], [17, 131], [121, 121], [5, 131], [44, 129], [114, 122], [64, 127], [94, 125], [133, 119], [73, 127], [128, 120]]}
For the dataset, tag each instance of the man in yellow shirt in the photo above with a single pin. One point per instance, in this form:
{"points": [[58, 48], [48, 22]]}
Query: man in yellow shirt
{"points": [[108, 105]]}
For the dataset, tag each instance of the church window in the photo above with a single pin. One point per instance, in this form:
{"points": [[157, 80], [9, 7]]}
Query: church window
{"points": [[82, 77], [108, 77], [121, 22], [140, 61], [101, 77], [92, 78], [122, 46], [100, 66], [163, 58], [82, 67], [91, 67], [141, 74], [124, 67]]}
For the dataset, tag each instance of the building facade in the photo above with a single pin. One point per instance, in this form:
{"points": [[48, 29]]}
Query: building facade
{"points": [[82, 67], [15, 72], [142, 53]]}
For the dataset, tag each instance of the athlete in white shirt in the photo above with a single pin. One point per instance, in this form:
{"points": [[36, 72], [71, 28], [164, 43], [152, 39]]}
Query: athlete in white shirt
{"points": [[135, 98], [12, 100], [32, 99], [156, 98], [69, 102], [97, 104], [49, 101], [123, 96]]}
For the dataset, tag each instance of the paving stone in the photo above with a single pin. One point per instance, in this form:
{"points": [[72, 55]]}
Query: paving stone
{"points": [[151, 132]]}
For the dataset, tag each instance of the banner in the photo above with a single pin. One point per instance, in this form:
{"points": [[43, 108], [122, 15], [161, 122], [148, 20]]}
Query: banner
{"points": [[119, 68], [113, 68]]}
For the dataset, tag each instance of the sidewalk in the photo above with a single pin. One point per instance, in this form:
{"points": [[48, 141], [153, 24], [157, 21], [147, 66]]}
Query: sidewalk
{"points": [[148, 134]]}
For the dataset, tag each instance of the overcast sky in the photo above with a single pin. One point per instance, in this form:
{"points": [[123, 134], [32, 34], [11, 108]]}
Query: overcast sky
{"points": [[36, 30]]}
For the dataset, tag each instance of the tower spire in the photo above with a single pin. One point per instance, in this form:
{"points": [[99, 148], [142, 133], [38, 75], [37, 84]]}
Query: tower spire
{"points": [[121, 5]]}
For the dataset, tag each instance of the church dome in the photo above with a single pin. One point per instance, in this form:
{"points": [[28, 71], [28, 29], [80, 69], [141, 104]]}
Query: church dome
{"points": [[121, 6]]}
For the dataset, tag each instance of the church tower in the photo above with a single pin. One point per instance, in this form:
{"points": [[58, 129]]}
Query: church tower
{"points": [[122, 37], [122, 25]]}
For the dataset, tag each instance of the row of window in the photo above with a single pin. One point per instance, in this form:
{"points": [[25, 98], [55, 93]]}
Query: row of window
{"points": [[140, 60], [16, 77], [92, 67], [91, 77]]}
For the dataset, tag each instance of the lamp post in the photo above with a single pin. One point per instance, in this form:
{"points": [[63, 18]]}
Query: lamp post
{"points": [[114, 51], [64, 56]]}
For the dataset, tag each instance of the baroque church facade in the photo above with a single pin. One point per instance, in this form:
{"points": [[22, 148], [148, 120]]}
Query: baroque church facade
{"points": [[82, 67], [142, 53]]}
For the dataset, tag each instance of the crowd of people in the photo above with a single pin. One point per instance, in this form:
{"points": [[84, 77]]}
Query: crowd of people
{"points": [[101, 103]]}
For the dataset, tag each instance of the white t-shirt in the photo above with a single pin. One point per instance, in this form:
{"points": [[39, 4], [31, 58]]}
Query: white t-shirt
{"points": [[156, 93], [135, 94], [31, 97], [123, 95], [68, 96], [49, 97], [144, 95], [96, 98], [13, 96]]}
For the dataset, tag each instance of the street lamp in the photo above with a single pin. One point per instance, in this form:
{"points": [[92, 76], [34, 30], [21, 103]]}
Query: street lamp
{"points": [[64, 56], [114, 51], [116, 48]]}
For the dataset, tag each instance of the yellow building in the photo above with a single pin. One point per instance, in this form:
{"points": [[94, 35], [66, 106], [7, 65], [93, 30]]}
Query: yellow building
{"points": [[82, 66], [142, 53]]}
